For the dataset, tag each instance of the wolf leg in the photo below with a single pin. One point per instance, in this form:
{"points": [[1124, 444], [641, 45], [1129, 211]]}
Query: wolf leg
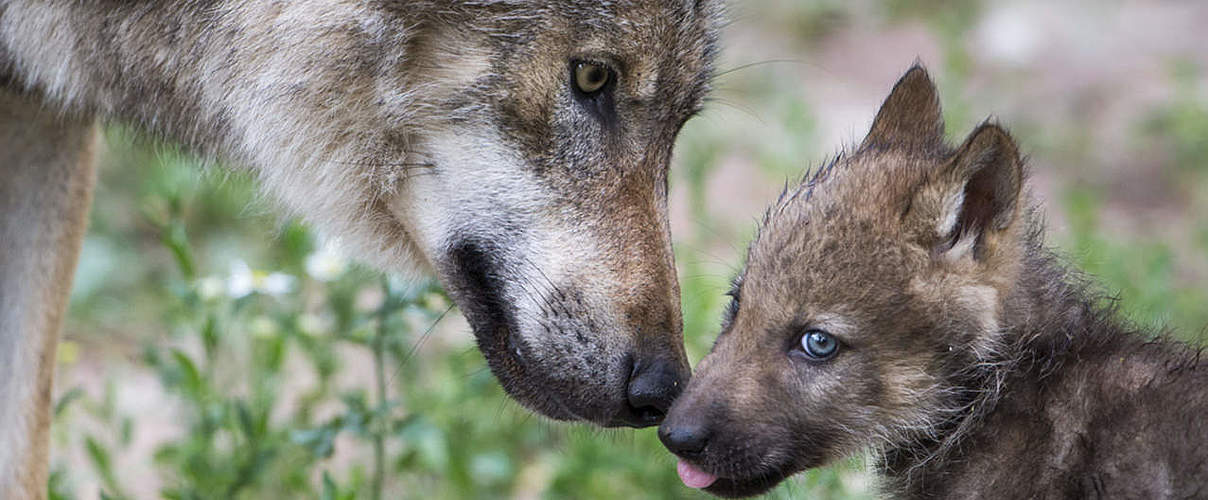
{"points": [[46, 178]]}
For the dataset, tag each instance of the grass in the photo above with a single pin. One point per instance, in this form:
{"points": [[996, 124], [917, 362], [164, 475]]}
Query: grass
{"points": [[187, 374]]}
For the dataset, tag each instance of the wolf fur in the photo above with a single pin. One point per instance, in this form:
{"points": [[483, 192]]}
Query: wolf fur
{"points": [[971, 361], [423, 136]]}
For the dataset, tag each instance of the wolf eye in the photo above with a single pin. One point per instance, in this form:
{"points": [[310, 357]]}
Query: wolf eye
{"points": [[590, 77], [819, 345]]}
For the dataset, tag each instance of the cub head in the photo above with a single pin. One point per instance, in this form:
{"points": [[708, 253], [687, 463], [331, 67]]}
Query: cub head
{"points": [[870, 295]]}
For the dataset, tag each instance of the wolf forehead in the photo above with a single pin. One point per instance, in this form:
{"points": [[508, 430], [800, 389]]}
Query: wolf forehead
{"points": [[854, 204], [665, 48], [662, 54], [685, 28]]}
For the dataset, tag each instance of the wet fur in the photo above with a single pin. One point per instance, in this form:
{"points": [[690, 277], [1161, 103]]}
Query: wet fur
{"points": [[973, 363]]}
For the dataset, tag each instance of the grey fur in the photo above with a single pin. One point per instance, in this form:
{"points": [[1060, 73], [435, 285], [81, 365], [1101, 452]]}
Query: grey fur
{"points": [[423, 136]]}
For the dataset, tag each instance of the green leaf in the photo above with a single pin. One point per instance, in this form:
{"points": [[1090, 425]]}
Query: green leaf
{"points": [[330, 492], [191, 379], [209, 336], [101, 461], [66, 399]]}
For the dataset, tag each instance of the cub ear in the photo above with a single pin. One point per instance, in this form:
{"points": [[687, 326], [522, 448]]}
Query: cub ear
{"points": [[983, 180], [910, 117]]}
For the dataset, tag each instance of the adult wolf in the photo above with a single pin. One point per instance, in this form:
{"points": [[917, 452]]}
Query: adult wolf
{"points": [[517, 149]]}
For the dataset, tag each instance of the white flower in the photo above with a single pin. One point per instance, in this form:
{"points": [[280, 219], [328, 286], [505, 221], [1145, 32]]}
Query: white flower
{"points": [[276, 284], [244, 280], [210, 287], [326, 264], [313, 324], [263, 327]]}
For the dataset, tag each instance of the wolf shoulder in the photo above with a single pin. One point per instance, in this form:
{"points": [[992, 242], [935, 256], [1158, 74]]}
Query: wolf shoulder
{"points": [[1128, 421]]}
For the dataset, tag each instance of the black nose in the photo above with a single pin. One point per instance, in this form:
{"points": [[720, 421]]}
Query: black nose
{"points": [[684, 439], [653, 386]]}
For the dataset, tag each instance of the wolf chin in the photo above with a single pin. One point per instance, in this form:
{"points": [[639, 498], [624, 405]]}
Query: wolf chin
{"points": [[901, 300], [516, 149]]}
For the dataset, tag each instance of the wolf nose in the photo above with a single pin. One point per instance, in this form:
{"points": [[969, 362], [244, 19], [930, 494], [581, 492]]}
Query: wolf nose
{"points": [[653, 386], [686, 440]]}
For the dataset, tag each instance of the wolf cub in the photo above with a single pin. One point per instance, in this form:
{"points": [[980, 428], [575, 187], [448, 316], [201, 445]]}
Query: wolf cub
{"points": [[902, 300]]}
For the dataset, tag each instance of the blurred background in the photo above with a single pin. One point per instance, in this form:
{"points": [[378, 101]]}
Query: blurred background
{"points": [[215, 350]]}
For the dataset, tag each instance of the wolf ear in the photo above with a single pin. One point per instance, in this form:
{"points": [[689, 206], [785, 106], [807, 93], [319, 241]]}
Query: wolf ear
{"points": [[983, 181], [910, 117]]}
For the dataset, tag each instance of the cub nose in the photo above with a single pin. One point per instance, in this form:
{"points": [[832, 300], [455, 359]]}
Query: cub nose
{"points": [[686, 439], [653, 386]]}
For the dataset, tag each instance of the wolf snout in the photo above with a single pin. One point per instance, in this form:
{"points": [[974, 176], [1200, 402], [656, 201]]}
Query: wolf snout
{"points": [[686, 439], [691, 423], [653, 386]]}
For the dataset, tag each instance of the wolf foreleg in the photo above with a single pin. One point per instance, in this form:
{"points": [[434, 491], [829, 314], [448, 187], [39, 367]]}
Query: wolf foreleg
{"points": [[46, 178]]}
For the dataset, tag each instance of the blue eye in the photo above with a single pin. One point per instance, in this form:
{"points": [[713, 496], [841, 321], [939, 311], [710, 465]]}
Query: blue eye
{"points": [[819, 345]]}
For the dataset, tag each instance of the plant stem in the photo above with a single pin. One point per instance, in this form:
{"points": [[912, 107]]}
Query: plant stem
{"points": [[379, 370]]}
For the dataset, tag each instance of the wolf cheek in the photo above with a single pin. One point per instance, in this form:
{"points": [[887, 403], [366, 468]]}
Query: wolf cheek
{"points": [[760, 409]]}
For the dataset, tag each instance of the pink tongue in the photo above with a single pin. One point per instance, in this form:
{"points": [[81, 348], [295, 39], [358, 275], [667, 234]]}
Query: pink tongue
{"points": [[693, 477]]}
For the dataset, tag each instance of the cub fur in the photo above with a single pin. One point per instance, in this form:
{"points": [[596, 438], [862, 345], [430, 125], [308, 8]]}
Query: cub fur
{"points": [[902, 300]]}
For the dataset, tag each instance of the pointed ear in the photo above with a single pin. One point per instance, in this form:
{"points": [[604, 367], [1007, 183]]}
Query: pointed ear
{"points": [[984, 177], [910, 117]]}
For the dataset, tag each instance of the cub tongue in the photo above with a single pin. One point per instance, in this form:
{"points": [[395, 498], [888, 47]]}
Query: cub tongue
{"points": [[693, 477]]}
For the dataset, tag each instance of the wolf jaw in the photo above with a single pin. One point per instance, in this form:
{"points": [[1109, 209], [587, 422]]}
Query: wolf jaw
{"points": [[972, 363]]}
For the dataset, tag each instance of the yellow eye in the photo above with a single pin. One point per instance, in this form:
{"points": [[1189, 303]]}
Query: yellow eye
{"points": [[590, 77]]}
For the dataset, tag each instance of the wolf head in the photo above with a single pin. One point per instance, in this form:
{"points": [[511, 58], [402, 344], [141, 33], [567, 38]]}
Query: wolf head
{"points": [[536, 188], [517, 148], [868, 293]]}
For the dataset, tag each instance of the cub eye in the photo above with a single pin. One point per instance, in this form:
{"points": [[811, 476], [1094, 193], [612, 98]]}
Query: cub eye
{"points": [[590, 77], [819, 345]]}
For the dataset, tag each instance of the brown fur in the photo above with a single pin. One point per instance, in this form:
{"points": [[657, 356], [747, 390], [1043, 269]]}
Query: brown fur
{"points": [[971, 362], [422, 136], [45, 194]]}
